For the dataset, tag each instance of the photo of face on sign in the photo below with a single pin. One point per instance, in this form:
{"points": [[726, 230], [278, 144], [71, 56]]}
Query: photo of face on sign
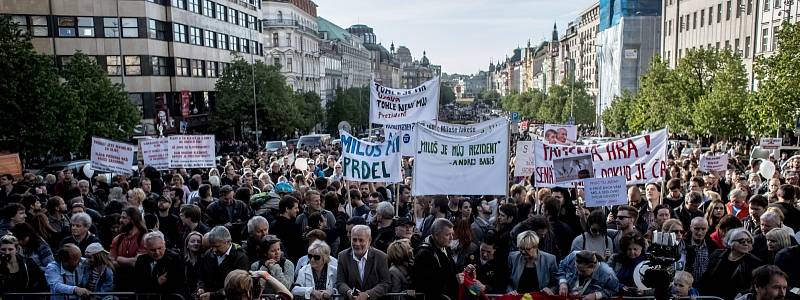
{"points": [[560, 134], [573, 168]]}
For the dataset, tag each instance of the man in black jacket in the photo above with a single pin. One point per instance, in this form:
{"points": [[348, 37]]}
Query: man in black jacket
{"points": [[699, 247], [287, 230], [161, 270], [229, 212], [690, 209], [791, 215], [222, 258], [434, 273]]}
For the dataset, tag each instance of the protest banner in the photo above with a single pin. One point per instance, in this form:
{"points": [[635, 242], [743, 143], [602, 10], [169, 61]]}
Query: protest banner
{"points": [[155, 153], [605, 191], [572, 168], [713, 163], [560, 134], [371, 162], [456, 165], [403, 106], [191, 151], [405, 131], [111, 157], [771, 143], [523, 163], [11, 164], [640, 159]]}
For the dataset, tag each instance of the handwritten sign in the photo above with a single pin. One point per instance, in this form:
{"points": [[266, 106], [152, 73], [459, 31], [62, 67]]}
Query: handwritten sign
{"points": [[713, 163], [191, 151], [111, 157], [155, 153]]}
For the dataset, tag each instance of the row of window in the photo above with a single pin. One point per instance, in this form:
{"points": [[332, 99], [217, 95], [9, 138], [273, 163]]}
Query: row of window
{"points": [[204, 37], [145, 65], [691, 21], [66, 26], [218, 11]]}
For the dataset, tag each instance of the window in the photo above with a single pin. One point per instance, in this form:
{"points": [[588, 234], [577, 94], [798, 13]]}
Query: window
{"points": [[728, 12], [766, 4], [764, 39], [775, 38], [222, 41], [86, 26], [156, 30], [211, 38], [245, 45], [133, 65], [221, 12], [716, 46], [21, 21], [211, 68], [66, 26], [289, 64], [179, 32], [179, 4], [208, 8], [681, 28], [694, 21], [669, 28], [727, 45], [233, 43], [113, 65], [710, 15], [702, 18], [39, 26], [232, 14], [196, 36], [719, 12], [222, 67], [194, 6], [289, 39], [111, 27], [130, 27], [777, 4], [747, 47], [160, 66], [181, 67], [275, 39], [197, 68], [749, 7], [276, 61], [739, 8]]}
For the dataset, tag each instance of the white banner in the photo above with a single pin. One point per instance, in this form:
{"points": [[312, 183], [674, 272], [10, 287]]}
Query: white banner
{"points": [[406, 131], [605, 191], [403, 106], [155, 153], [640, 159], [523, 161], [371, 162], [713, 163], [454, 165], [192, 151], [561, 134], [112, 157], [771, 143]]}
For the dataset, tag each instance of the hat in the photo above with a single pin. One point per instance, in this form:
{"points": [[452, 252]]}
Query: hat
{"points": [[403, 221], [283, 187], [93, 249]]}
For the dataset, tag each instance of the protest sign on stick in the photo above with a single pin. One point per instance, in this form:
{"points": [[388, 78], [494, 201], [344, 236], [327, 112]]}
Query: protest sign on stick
{"points": [[155, 153], [192, 151], [403, 106], [111, 157], [605, 191], [371, 162]]}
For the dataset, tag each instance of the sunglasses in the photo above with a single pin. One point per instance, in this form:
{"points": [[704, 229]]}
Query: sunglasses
{"points": [[678, 231], [314, 257], [744, 241]]}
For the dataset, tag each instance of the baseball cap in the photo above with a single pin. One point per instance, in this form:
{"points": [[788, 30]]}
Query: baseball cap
{"points": [[283, 187], [94, 248]]}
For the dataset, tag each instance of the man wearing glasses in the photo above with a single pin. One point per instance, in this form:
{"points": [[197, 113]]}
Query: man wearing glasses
{"points": [[625, 219]]}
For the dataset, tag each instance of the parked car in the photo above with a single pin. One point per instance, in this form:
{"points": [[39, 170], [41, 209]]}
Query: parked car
{"points": [[75, 165], [275, 146], [314, 141]]}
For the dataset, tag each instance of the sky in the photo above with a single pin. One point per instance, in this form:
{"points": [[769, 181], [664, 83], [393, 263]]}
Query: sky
{"points": [[462, 36]]}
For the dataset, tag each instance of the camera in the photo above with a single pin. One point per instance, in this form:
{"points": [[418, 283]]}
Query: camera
{"points": [[659, 268]]}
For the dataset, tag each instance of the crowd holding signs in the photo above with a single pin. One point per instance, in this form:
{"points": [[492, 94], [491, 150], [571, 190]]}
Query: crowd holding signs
{"points": [[177, 151]]}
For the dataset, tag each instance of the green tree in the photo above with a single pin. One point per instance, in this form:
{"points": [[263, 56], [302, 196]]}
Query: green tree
{"points": [[40, 116], [274, 101], [774, 105], [658, 102], [578, 103], [489, 97], [720, 112], [310, 110], [351, 105], [108, 110], [615, 117], [446, 96]]}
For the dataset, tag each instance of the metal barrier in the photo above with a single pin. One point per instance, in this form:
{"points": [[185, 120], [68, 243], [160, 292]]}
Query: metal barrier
{"points": [[420, 296], [686, 298], [110, 295]]}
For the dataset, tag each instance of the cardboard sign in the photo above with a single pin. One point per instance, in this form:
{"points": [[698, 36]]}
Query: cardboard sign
{"points": [[112, 157], [192, 151], [523, 163], [155, 153], [605, 191], [771, 143], [713, 163]]}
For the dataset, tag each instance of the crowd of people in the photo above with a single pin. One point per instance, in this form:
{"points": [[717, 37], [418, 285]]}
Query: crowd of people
{"points": [[260, 224]]}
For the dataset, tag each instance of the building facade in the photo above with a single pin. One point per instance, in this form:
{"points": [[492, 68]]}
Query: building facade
{"points": [[356, 71], [291, 40], [385, 69], [747, 27], [167, 54]]}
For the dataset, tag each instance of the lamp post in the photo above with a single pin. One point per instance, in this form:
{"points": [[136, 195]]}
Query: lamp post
{"points": [[253, 83]]}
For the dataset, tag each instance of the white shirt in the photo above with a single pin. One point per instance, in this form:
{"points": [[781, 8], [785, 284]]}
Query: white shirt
{"points": [[362, 263], [220, 258]]}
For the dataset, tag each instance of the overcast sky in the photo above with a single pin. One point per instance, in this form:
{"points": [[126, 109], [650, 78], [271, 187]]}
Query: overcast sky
{"points": [[460, 35]]}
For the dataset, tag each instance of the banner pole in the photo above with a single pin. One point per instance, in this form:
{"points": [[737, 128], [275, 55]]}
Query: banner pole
{"points": [[397, 199], [508, 160]]}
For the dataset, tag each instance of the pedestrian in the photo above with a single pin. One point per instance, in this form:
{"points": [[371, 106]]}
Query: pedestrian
{"points": [[160, 270], [362, 271], [97, 271], [222, 258], [270, 259], [317, 279], [434, 273], [63, 275], [17, 273]]}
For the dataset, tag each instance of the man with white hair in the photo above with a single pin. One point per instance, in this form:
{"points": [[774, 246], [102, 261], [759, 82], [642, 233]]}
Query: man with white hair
{"points": [[79, 225], [772, 219], [85, 188], [257, 229], [222, 258], [384, 225], [160, 270], [362, 271]]}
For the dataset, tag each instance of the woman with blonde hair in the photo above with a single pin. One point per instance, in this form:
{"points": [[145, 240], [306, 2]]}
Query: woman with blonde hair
{"points": [[177, 182], [192, 251], [401, 258], [135, 198], [97, 273], [777, 240], [317, 279]]}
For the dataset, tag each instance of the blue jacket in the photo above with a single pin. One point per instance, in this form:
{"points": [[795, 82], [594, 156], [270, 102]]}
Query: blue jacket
{"points": [[603, 279], [62, 281], [546, 270], [104, 284]]}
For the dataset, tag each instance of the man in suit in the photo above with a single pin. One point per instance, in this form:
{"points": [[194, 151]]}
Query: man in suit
{"points": [[362, 271], [222, 258], [161, 270]]}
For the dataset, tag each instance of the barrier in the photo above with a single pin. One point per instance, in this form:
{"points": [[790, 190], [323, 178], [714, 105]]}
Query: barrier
{"points": [[99, 296], [395, 296]]}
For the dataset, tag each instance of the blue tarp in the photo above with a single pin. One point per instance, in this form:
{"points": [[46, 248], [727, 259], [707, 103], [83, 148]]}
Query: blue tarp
{"points": [[611, 11]]}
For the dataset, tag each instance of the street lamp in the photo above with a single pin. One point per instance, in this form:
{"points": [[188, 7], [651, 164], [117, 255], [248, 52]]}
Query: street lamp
{"points": [[253, 82]]}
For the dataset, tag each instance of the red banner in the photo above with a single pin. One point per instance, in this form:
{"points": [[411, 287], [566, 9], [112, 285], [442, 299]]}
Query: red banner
{"points": [[185, 104]]}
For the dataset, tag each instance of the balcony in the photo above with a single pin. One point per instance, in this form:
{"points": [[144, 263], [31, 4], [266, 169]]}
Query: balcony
{"points": [[266, 23]]}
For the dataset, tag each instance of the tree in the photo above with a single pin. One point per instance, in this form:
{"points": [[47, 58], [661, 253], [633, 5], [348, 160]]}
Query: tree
{"points": [[40, 116], [490, 97], [616, 116], [579, 103], [351, 105], [108, 110], [446, 96], [658, 102], [274, 101], [721, 112], [310, 109], [774, 105]]}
